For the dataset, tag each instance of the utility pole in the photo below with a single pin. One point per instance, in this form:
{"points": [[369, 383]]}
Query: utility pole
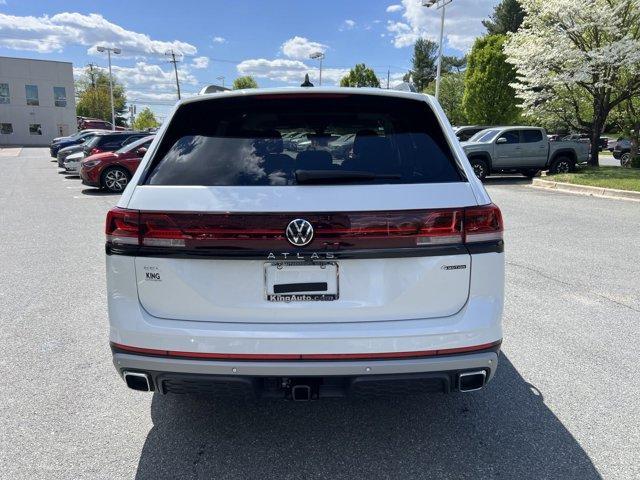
{"points": [[388, 76], [132, 114], [92, 75], [221, 78], [173, 60], [116, 51]]}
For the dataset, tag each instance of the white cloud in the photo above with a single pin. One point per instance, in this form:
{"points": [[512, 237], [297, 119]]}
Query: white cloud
{"points": [[147, 77], [348, 24], [403, 34], [422, 22], [301, 48], [47, 34], [394, 8], [146, 74], [200, 62], [288, 71], [219, 40]]}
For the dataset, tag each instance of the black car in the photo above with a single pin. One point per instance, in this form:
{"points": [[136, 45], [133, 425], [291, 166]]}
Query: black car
{"points": [[603, 142], [110, 141], [622, 151]]}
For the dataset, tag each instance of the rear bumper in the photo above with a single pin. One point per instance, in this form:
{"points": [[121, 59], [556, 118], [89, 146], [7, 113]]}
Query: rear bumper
{"points": [[328, 378]]}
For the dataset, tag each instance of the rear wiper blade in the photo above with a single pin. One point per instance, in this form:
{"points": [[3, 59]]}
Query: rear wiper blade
{"points": [[340, 176]]}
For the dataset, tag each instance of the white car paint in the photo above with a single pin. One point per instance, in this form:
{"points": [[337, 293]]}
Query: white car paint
{"points": [[385, 305], [72, 163]]}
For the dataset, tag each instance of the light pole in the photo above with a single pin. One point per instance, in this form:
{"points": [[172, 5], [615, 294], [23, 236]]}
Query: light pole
{"points": [[116, 51], [440, 5], [221, 78], [318, 56]]}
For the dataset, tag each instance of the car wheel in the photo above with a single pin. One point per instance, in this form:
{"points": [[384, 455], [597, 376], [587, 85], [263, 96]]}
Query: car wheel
{"points": [[561, 165], [480, 168], [625, 159], [530, 172], [115, 179]]}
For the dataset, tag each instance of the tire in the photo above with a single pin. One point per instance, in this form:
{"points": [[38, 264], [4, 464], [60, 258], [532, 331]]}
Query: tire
{"points": [[561, 165], [115, 179], [480, 168], [530, 172], [625, 159]]}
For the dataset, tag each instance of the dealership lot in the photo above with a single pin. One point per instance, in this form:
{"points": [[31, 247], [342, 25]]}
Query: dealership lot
{"points": [[565, 402]]}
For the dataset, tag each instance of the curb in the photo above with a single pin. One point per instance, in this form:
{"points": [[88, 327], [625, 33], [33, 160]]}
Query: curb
{"points": [[587, 190]]}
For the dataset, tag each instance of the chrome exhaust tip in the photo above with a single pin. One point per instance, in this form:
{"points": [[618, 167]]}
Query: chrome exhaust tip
{"points": [[137, 381], [472, 381], [301, 393]]}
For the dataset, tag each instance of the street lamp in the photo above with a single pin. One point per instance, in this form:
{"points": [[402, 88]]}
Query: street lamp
{"points": [[116, 51], [440, 5], [318, 56], [221, 78]]}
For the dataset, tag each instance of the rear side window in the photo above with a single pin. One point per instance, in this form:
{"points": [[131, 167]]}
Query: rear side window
{"points": [[302, 139], [531, 136], [110, 140], [512, 136]]}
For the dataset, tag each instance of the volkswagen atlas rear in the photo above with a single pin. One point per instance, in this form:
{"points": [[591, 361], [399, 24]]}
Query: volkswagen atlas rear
{"points": [[236, 266]]}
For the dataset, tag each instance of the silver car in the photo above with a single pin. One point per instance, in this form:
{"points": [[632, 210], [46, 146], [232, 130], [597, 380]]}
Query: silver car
{"points": [[64, 153]]}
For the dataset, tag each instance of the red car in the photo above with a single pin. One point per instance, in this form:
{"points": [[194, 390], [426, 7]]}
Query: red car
{"points": [[85, 123], [113, 170]]}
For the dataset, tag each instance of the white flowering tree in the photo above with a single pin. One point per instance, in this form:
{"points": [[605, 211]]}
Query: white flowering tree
{"points": [[577, 60]]}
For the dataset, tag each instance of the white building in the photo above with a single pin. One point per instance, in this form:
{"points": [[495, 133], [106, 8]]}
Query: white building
{"points": [[37, 101]]}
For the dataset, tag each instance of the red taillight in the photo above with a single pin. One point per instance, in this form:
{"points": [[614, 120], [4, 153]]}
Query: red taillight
{"points": [[122, 226], [333, 232], [483, 224], [94, 151]]}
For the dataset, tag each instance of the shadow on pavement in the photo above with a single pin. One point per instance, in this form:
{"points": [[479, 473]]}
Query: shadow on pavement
{"points": [[507, 180], [504, 431], [96, 192]]}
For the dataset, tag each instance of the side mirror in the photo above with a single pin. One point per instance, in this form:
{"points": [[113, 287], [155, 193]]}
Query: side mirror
{"points": [[501, 140], [141, 151]]}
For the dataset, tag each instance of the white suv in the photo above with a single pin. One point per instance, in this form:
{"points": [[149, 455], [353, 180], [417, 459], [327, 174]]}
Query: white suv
{"points": [[236, 266]]}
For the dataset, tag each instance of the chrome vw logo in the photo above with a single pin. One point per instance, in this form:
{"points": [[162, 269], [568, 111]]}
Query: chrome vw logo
{"points": [[299, 232]]}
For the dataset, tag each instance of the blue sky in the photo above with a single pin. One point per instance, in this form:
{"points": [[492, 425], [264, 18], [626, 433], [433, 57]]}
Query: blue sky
{"points": [[268, 39]]}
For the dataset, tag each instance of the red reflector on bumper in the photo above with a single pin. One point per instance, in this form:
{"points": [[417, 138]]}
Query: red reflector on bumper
{"points": [[304, 356]]}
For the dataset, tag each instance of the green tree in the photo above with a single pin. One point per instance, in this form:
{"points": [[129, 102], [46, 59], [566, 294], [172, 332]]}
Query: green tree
{"points": [[489, 98], [94, 100], [360, 76], [145, 119], [247, 81], [584, 53], [507, 17], [424, 63], [453, 64], [451, 93]]}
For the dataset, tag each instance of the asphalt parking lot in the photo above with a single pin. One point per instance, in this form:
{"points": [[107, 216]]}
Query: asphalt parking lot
{"points": [[565, 402]]}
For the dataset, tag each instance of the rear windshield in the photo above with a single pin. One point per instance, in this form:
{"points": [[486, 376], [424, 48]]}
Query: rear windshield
{"points": [[303, 139]]}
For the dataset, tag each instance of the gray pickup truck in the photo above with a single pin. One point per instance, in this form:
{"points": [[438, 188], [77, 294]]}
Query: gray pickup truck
{"points": [[526, 150]]}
